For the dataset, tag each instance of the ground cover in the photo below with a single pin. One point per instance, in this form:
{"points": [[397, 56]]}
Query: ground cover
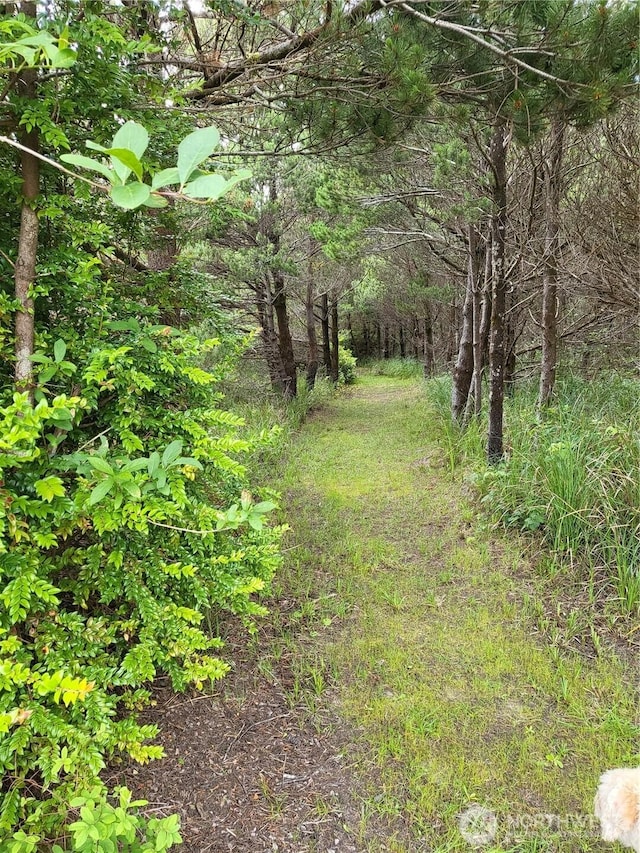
{"points": [[405, 676]]}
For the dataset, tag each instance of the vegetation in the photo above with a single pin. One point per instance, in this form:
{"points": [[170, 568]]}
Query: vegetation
{"points": [[249, 200], [470, 678], [569, 479]]}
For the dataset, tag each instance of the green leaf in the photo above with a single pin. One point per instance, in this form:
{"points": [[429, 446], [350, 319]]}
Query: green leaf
{"points": [[132, 137], [100, 464], [131, 195], [49, 488], [154, 463], [194, 149], [132, 489], [171, 452], [165, 178], [136, 464], [63, 58], [131, 325], [47, 373], [100, 491], [90, 163], [126, 158], [208, 186], [59, 350], [149, 345], [156, 200], [265, 506]]}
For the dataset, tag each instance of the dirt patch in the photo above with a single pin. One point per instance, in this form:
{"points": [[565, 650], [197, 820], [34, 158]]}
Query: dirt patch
{"points": [[248, 772]]}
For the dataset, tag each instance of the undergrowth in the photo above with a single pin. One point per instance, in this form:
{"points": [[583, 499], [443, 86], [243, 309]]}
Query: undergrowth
{"points": [[397, 368], [570, 477]]}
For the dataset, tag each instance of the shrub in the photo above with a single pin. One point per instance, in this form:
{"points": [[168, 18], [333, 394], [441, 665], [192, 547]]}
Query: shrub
{"points": [[127, 519], [346, 366]]}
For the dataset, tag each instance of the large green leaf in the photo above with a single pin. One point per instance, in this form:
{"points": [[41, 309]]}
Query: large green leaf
{"points": [[156, 200], [133, 137], [62, 58], [165, 178], [59, 350], [171, 452], [194, 149], [131, 195], [89, 163], [128, 159], [207, 186], [101, 490]]}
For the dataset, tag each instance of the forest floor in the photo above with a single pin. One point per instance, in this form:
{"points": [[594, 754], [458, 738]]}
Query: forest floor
{"points": [[418, 684]]}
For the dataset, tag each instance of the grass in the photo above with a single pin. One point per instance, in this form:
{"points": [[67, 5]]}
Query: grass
{"points": [[396, 368], [571, 477], [427, 627]]}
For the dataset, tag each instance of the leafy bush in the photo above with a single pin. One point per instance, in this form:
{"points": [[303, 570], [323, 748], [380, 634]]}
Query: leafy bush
{"points": [[346, 366], [127, 519]]}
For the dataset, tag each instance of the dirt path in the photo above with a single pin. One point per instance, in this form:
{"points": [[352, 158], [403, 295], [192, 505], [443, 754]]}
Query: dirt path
{"points": [[403, 677]]}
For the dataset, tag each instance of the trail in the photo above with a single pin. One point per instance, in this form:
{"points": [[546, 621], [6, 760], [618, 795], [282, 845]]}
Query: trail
{"points": [[406, 675]]}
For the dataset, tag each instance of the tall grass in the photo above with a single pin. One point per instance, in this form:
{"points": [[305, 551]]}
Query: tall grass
{"points": [[574, 476], [268, 418], [397, 368]]}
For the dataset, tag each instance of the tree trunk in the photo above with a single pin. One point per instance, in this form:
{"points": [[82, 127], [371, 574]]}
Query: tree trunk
{"points": [[25, 266], [403, 349], [378, 338], [498, 159], [285, 343], [463, 370], [279, 300], [481, 315], [385, 350], [552, 185], [428, 342], [452, 335], [277, 375], [312, 338], [366, 343], [335, 358], [326, 337]]}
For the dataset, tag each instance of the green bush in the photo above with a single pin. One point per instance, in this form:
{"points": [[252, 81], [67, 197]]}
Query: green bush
{"points": [[346, 366], [128, 518]]}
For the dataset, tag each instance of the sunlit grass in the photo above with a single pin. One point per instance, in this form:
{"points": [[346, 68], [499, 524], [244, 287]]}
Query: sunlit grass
{"points": [[427, 627]]}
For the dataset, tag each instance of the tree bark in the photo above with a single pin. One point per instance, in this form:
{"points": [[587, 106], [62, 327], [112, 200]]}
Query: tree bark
{"points": [[481, 316], [285, 342], [264, 305], [498, 159], [25, 266], [279, 298], [463, 370], [335, 358], [312, 338], [326, 337], [552, 185], [429, 360]]}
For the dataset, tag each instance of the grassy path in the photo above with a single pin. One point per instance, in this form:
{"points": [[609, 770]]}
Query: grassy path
{"points": [[428, 625]]}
